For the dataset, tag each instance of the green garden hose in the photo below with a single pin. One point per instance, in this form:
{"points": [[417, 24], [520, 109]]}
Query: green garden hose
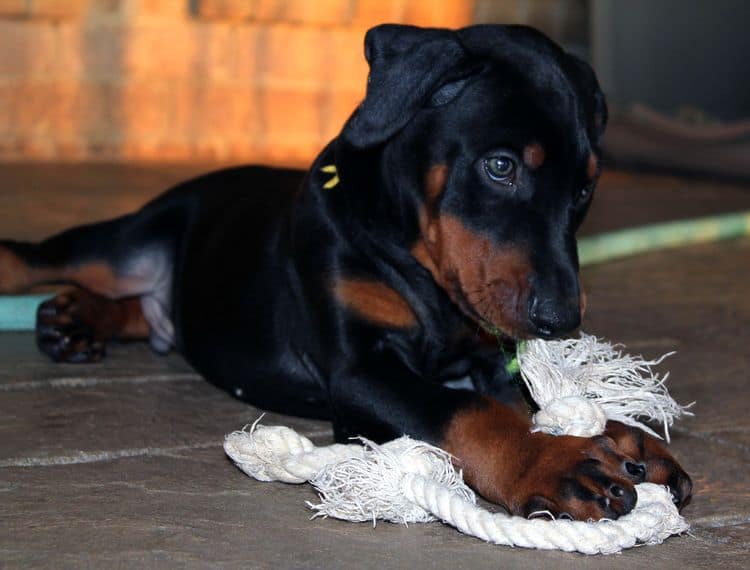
{"points": [[18, 312], [623, 243]]}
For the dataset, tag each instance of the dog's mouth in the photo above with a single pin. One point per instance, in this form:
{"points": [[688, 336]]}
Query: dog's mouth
{"points": [[510, 308]]}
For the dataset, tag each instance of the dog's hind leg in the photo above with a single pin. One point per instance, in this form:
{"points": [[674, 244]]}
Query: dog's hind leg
{"points": [[107, 258], [128, 259]]}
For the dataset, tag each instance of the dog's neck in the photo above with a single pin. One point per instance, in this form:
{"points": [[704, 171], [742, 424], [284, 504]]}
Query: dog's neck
{"points": [[362, 196]]}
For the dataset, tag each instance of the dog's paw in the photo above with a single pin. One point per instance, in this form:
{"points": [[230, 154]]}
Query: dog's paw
{"points": [[658, 465], [581, 478], [575, 478], [63, 333], [594, 478]]}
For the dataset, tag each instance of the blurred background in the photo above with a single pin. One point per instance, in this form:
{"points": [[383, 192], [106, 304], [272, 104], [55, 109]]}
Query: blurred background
{"points": [[273, 80]]}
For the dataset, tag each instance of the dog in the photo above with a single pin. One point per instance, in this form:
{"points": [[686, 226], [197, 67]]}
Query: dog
{"points": [[443, 215]]}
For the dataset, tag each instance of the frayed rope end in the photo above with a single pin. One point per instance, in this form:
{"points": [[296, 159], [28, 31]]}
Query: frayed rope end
{"points": [[561, 374], [370, 487]]}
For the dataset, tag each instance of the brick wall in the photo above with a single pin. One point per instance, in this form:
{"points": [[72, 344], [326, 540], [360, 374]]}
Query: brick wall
{"points": [[251, 80]]}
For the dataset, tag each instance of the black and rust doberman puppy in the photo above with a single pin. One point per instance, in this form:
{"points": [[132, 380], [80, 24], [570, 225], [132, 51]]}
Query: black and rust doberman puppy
{"points": [[447, 206]]}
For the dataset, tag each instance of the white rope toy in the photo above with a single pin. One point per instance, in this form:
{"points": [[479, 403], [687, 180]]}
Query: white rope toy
{"points": [[411, 481], [581, 383]]}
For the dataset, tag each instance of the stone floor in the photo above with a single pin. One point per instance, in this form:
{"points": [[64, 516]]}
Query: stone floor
{"points": [[120, 464]]}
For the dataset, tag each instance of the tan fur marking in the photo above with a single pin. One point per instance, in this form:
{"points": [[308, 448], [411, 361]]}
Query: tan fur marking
{"points": [[107, 318], [422, 254], [489, 443], [437, 176], [592, 168], [533, 155], [584, 302], [485, 281], [376, 302], [15, 275]]}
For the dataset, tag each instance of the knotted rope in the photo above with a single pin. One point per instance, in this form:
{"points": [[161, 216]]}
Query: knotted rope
{"points": [[410, 481], [581, 383]]}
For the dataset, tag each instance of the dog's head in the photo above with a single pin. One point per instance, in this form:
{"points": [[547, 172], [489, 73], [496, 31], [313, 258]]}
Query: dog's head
{"points": [[494, 134]]}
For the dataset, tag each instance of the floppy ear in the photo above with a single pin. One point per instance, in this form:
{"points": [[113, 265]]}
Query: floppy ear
{"points": [[596, 103], [406, 64], [601, 114]]}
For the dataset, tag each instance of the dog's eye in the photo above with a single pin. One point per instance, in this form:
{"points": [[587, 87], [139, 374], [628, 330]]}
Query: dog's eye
{"points": [[584, 194], [500, 168]]}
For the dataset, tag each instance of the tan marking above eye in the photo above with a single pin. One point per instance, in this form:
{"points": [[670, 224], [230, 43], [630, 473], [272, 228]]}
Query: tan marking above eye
{"points": [[375, 301], [592, 167], [534, 155]]}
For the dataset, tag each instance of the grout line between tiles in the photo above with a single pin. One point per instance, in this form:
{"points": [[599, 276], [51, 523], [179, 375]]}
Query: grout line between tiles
{"points": [[83, 457], [89, 382], [719, 521], [99, 456]]}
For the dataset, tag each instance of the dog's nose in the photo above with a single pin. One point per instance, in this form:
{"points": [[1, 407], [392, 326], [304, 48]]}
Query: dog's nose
{"points": [[551, 319]]}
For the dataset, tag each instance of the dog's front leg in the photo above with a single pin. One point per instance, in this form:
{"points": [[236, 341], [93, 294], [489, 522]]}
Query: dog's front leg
{"points": [[576, 477]]}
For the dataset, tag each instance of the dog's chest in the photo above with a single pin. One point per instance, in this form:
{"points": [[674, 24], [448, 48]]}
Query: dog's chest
{"points": [[449, 352]]}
